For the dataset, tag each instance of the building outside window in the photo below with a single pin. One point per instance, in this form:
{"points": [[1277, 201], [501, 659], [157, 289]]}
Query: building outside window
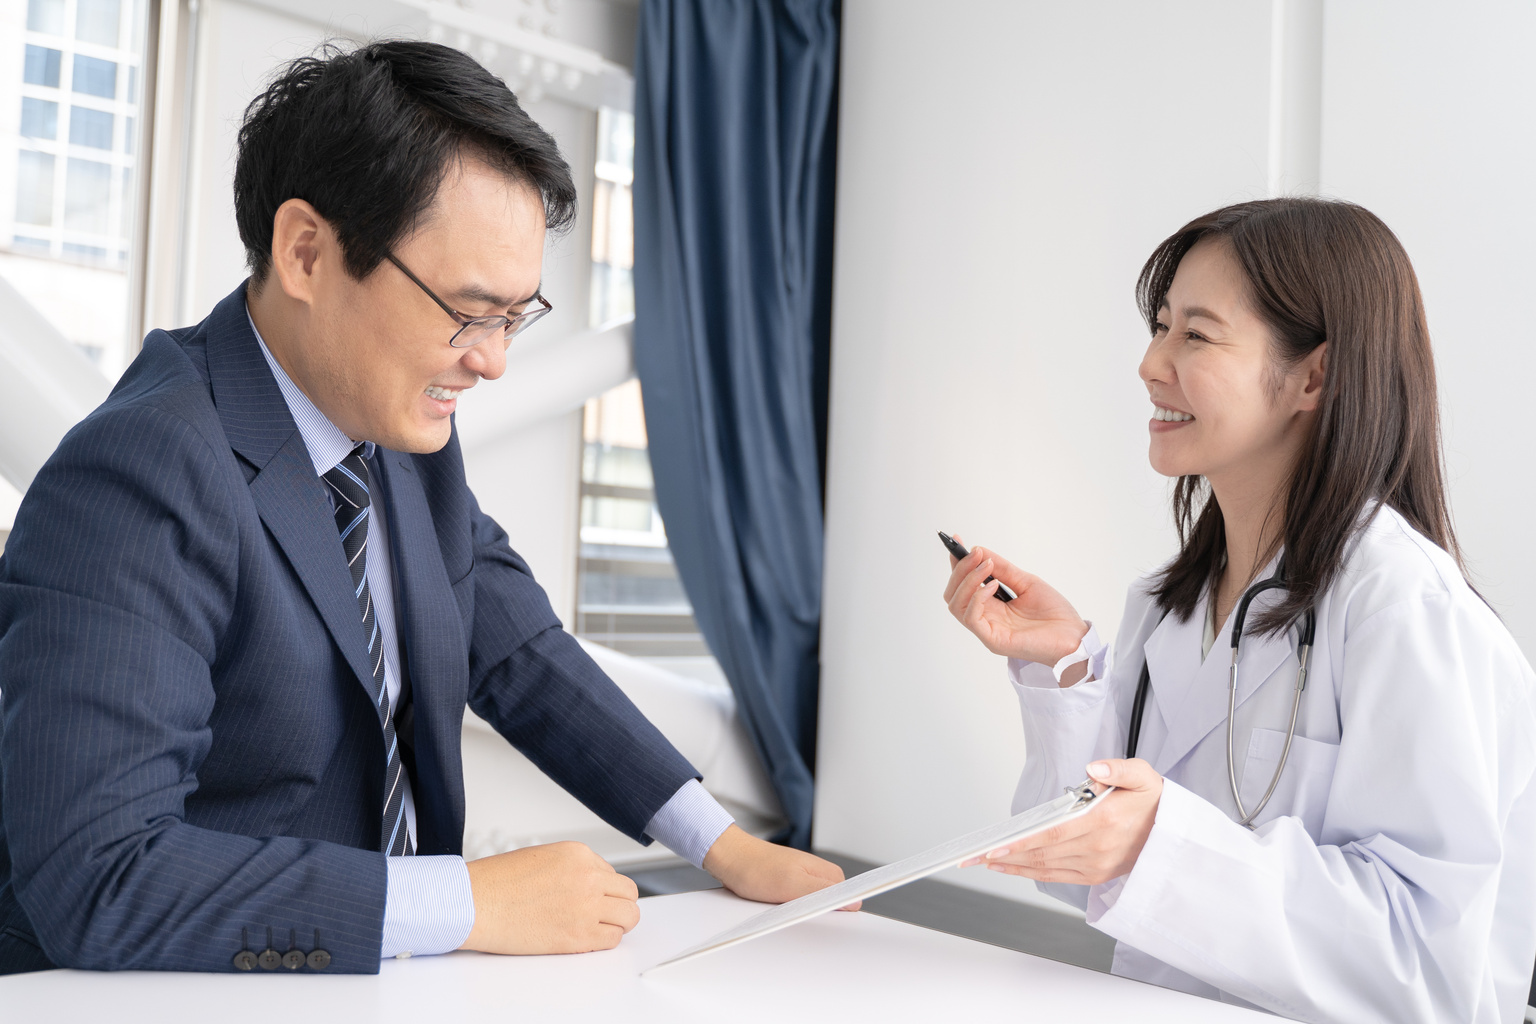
{"points": [[629, 596], [613, 219], [71, 75], [69, 140]]}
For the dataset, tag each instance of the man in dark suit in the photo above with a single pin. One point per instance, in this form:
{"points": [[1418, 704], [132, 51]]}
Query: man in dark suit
{"points": [[245, 603]]}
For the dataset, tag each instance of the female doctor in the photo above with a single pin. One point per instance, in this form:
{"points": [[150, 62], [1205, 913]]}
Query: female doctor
{"points": [[1360, 849]]}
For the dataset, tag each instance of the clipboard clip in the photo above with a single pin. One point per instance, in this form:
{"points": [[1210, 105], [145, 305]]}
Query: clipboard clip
{"points": [[1084, 793]]}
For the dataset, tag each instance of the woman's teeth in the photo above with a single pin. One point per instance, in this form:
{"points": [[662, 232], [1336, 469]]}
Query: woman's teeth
{"points": [[1170, 415], [443, 394]]}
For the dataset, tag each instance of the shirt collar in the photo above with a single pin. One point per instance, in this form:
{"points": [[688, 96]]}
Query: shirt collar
{"points": [[328, 444]]}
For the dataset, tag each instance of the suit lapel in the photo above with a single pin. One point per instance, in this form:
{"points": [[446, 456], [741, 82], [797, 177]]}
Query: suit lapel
{"points": [[434, 649], [288, 495], [432, 630], [291, 501]]}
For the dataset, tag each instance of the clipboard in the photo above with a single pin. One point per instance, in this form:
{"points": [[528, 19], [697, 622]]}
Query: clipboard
{"points": [[1074, 803]]}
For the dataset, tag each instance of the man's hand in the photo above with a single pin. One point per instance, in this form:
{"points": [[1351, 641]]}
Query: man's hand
{"points": [[560, 898], [1102, 844], [758, 870]]}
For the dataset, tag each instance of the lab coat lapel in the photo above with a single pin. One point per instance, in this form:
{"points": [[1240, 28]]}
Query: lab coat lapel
{"points": [[1204, 706], [1173, 661]]}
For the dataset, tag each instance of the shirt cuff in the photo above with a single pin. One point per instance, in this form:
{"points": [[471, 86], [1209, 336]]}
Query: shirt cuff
{"points": [[428, 908], [1090, 649], [689, 823]]}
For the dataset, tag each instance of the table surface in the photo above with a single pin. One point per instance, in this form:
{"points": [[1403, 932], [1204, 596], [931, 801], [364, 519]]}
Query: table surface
{"points": [[838, 966]]}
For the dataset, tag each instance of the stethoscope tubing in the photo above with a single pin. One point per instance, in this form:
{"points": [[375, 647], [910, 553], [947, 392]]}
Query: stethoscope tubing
{"points": [[1305, 636]]}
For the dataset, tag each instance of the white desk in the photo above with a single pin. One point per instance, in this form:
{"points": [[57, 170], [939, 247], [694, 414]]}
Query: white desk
{"points": [[842, 967]]}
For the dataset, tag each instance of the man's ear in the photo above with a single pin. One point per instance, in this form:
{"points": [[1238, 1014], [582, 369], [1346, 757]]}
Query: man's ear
{"points": [[1315, 371], [301, 240]]}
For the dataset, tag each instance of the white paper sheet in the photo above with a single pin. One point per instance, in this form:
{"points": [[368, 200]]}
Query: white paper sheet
{"points": [[883, 879]]}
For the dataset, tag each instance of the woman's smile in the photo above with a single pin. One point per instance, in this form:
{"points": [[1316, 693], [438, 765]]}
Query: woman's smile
{"points": [[1165, 419]]}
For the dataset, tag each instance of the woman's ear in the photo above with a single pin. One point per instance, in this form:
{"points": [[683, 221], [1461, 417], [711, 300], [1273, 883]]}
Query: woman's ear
{"points": [[1313, 371]]}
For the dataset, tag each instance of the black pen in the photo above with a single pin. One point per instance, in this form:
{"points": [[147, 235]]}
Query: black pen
{"points": [[1002, 593]]}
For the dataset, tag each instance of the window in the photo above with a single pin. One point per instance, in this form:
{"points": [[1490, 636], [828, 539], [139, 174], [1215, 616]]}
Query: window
{"points": [[76, 162], [46, 16], [629, 596], [39, 118], [89, 127], [613, 219], [34, 190], [69, 159], [95, 77], [87, 193], [98, 21], [42, 66]]}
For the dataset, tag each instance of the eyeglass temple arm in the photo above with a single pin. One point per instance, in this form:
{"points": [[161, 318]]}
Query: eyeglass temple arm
{"points": [[457, 316]]}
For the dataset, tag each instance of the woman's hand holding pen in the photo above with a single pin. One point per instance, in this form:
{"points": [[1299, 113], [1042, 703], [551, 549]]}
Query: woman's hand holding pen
{"points": [[1038, 625]]}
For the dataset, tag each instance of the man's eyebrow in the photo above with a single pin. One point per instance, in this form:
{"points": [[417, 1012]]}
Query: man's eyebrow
{"points": [[478, 293]]}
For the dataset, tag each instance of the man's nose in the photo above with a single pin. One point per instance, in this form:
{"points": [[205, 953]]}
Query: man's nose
{"points": [[487, 359]]}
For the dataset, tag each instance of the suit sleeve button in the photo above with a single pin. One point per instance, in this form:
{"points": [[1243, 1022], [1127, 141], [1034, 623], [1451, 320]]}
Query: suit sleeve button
{"points": [[293, 959], [269, 960], [318, 960], [245, 960]]}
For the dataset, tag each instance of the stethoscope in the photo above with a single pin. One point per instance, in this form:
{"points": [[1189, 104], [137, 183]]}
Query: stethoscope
{"points": [[1303, 653]]}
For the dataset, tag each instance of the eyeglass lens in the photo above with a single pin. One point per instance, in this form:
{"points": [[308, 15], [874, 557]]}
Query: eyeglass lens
{"points": [[477, 331]]}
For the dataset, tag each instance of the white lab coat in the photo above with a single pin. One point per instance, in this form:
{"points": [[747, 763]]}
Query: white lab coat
{"points": [[1392, 877]]}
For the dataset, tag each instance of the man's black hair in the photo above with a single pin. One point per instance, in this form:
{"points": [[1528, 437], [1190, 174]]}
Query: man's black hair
{"points": [[366, 137]]}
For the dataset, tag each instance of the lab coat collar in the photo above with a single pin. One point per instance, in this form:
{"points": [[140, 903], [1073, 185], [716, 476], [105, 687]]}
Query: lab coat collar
{"points": [[1192, 695]]}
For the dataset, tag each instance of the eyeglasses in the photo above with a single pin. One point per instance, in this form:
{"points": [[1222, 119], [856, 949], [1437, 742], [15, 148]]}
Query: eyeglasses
{"points": [[475, 329]]}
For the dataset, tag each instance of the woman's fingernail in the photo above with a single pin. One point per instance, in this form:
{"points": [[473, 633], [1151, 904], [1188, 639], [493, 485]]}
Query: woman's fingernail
{"points": [[1099, 770], [994, 854]]}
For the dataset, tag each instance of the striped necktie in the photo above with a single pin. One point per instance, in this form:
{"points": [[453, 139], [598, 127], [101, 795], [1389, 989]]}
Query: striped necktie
{"points": [[349, 482]]}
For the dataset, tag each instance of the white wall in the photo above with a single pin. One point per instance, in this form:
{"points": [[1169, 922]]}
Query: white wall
{"points": [[1428, 121], [1003, 172]]}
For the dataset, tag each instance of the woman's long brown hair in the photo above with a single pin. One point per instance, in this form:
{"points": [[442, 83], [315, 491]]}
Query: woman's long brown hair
{"points": [[1319, 270]]}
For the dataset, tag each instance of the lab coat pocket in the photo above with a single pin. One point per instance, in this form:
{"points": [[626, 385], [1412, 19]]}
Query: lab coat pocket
{"points": [[1303, 788]]}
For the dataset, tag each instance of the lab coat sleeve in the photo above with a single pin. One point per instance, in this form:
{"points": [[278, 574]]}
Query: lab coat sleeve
{"points": [[1388, 916], [1062, 727], [1061, 724]]}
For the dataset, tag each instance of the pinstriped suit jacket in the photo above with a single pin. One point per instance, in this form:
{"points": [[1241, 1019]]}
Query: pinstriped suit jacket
{"points": [[188, 745]]}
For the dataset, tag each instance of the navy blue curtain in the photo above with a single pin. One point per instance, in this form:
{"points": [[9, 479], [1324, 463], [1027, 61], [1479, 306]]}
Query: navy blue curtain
{"points": [[735, 149]]}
